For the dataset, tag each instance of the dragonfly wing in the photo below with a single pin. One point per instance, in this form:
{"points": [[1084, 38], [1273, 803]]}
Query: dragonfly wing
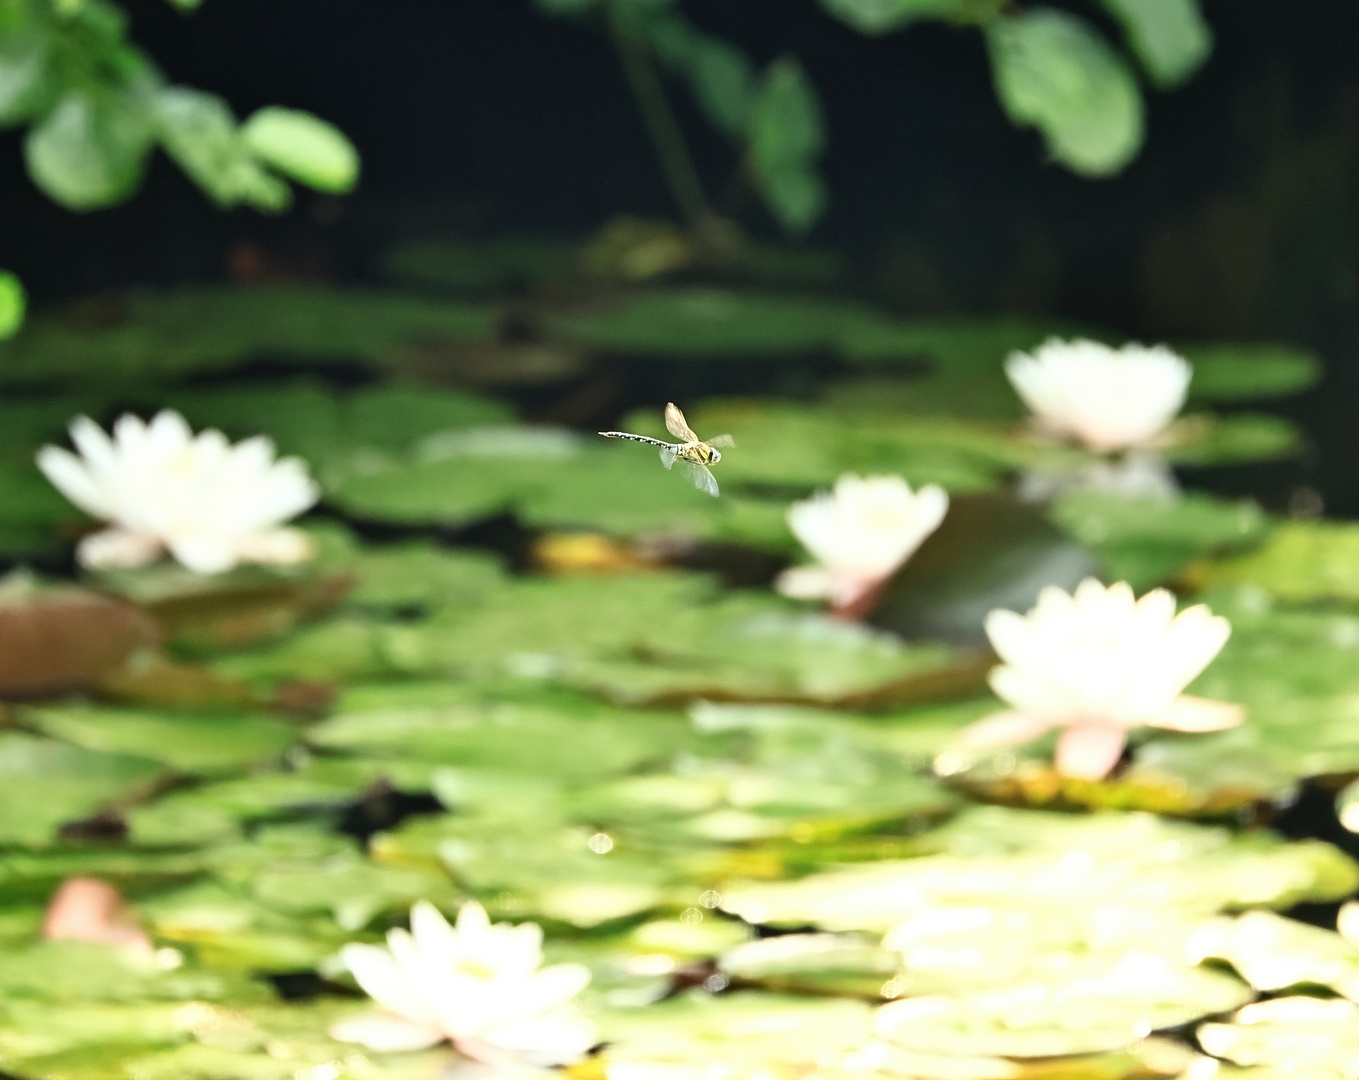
{"points": [[701, 476], [722, 440], [676, 425], [667, 456]]}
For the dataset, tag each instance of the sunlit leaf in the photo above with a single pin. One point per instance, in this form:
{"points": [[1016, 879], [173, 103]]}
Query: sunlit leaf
{"points": [[1055, 72], [89, 152], [1170, 37], [303, 147]]}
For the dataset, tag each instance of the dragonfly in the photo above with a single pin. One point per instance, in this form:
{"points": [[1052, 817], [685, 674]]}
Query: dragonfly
{"points": [[692, 453]]}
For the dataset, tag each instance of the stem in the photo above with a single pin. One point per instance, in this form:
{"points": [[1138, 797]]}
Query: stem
{"points": [[680, 174]]}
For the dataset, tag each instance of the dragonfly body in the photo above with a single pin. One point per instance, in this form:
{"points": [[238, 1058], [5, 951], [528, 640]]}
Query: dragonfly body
{"points": [[693, 453]]}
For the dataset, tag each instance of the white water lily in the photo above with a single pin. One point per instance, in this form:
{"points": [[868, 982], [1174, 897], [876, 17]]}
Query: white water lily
{"points": [[859, 534], [479, 985], [1109, 399], [211, 504], [1097, 664]]}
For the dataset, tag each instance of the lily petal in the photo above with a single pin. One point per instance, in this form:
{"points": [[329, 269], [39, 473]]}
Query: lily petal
{"points": [[1090, 751], [386, 1034], [1188, 713], [1003, 729]]}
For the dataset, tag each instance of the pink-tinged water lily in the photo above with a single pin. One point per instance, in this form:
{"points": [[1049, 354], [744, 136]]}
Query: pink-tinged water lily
{"points": [[859, 534], [1096, 664], [210, 503], [480, 985], [1109, 399]]}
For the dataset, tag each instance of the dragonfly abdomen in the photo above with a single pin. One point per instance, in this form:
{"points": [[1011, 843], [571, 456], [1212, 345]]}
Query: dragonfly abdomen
{"points": [[638, 438]]}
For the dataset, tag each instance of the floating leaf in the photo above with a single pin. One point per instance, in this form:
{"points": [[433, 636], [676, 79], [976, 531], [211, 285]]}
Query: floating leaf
{"points": [[210, 744], [1147, 541], [45, 784], [213, 329], [55, 639], [1301, 562], [1242, 372]]}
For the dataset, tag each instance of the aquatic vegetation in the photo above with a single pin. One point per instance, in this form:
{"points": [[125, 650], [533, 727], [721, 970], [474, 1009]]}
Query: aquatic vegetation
{"points": [[276, 780], [1108, 399], [208, 503], [479, 985], [1096, 663], [860, 533]]}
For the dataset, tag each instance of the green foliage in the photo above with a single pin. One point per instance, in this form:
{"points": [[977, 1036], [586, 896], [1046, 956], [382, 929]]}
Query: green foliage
{"points": [[96, 106], [1170, 37], [13, 304], [1147, 541], [213, 328], [304, 148], [1053, 71], [787, 137], [884, 16]]}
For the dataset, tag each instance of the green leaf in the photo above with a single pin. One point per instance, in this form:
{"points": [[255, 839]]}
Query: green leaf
{"points": [[787, 136], [1230, 440], [883, 16], [213, 328], [13, 304], [303, 147], [45, 783], [1242, 372], [1055, 72], [720, 75], [1170, 37], [199, 131], [90, 151], [712, 324], [1146, 541], [1303, 562], [24, 72], [207, 744]]}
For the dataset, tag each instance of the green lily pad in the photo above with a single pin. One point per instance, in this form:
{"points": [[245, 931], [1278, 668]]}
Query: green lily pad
{"points": [[1302, 561], [714, 324], [1290, 1037], [1274, 953], [1244, 372], [1145, 542], [1096, 1004], [996, 857], [194, 744], [214, 328], [45, 784]]}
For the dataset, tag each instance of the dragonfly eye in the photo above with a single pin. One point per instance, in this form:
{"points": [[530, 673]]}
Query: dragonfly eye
{"points": [[717, 456]]}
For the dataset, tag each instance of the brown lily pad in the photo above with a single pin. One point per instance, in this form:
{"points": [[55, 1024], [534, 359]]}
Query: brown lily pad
{"points": [[59, 639]]}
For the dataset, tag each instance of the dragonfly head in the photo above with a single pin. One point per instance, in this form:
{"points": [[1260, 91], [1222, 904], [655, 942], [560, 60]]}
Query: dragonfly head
{"points": [[716, 456]]}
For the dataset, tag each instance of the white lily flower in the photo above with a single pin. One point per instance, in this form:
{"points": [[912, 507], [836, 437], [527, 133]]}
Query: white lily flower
{"points": [[479, 985], [859, 534], [1109, 399], [211, 504], [1097, 664]]}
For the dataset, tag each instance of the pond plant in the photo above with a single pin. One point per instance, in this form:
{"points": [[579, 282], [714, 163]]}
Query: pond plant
{"points": [[479, 747]]}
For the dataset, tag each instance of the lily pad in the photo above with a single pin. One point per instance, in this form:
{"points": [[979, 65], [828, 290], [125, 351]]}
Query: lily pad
{"points": [[1147, 541], [192, 744], [45, 784], [698, 324], [212, 329]]}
